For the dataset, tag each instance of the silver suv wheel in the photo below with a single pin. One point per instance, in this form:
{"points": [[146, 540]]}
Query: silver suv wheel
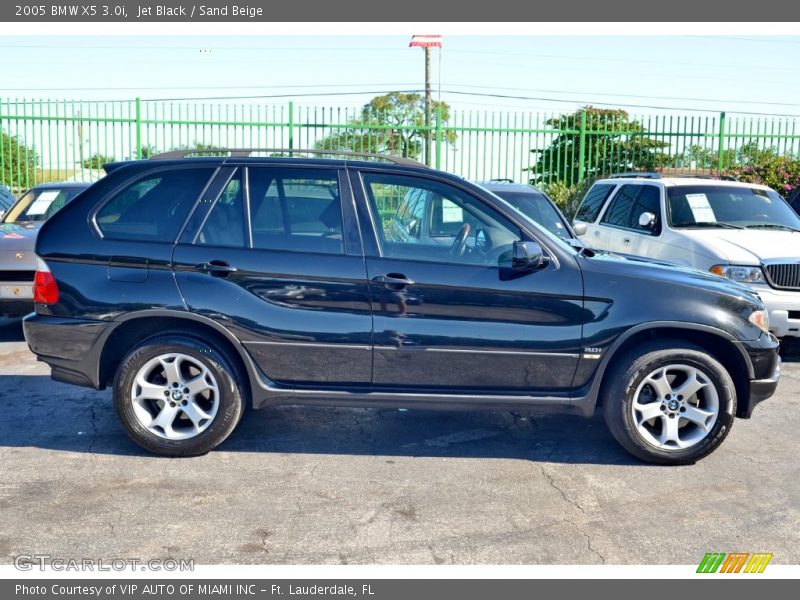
{"points": [[175, 396], [675, 407]]}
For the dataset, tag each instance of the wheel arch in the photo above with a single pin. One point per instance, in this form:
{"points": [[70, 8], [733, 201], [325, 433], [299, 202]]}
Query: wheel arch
{"points": [[147, 324], [716, 342]]}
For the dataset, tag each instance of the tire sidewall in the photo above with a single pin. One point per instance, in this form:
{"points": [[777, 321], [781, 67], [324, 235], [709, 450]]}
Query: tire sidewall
{"points": [[230, 407], [622, 392]]}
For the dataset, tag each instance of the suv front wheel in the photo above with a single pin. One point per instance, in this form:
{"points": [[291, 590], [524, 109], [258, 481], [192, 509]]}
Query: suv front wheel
{"points": [[177, 396], [669, 403]]}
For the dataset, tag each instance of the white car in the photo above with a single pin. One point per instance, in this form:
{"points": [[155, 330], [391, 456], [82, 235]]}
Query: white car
{"points": [[742, 231]]}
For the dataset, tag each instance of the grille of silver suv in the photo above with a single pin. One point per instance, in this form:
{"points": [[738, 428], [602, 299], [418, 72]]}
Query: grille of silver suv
{"points": [[784, 275]]}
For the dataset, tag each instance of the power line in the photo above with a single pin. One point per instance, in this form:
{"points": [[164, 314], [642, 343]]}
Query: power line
{"points": [[615, 104]]}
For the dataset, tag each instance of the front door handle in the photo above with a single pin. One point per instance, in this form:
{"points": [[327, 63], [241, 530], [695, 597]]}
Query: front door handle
{"points": [[217, 268], [626, 240], [393, 280]]}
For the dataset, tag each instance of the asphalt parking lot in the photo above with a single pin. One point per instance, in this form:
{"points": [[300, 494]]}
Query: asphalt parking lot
{"points": [[308, 485]]}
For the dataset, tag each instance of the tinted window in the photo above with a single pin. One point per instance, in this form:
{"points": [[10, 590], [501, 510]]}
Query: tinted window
{"points": [[629, 203], [225, 225], [40, 204], [441, 216], [593, 202], [538, 208], [619, 210], [153, 208], [296, 209]]}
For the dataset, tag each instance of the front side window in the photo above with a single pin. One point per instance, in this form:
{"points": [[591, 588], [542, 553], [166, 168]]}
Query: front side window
{"points": [[630, 203], [446, 224], [539, 209], [296, 210], [593, 202], [153, 208]]}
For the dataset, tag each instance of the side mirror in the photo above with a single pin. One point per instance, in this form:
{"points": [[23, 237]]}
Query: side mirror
{"points": [[527, 256], [647, 220], [579, 227]]}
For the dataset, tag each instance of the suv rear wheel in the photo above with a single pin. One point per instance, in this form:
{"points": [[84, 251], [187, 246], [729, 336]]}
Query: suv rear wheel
{"points": [[669, 403], [177, 396]]}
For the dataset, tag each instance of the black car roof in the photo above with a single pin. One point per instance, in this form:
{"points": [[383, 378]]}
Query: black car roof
{"points": [[59, 185], [507, 186]]}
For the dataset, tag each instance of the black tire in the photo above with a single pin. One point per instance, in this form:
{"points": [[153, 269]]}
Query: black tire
{"points": [[231, 400], [629, 372]]}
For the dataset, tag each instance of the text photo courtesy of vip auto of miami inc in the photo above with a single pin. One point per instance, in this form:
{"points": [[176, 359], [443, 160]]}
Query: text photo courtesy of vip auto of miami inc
{"points": [[432, 301]]}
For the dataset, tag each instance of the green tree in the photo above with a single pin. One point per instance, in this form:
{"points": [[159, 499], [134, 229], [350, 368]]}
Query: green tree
{"points": [[393, 123], [18, 162], [97, 160], [613, 142]]}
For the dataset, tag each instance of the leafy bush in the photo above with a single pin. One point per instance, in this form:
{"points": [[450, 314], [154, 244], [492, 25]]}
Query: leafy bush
{"points": [[781, 173], [97, 160], [18, 162]]}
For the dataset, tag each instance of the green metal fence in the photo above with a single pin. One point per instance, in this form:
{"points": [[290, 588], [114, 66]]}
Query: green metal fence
{"points": [[46, 140]]}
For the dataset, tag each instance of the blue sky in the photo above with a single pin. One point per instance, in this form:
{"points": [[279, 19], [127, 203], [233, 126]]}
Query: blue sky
{"points": [[552, 73]]}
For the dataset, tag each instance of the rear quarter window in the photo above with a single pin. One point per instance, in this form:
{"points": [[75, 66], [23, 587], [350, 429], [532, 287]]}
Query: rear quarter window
{"points": [[593, 202], [153, 207]]}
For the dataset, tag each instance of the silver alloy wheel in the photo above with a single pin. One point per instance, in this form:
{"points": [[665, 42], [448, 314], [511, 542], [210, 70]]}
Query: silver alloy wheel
{"points": [[675, 407], [175, 396]]}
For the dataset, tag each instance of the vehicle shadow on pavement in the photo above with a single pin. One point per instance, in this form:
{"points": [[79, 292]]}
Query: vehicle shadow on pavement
{"points": [[11, 330], [790, 350], [73, 419]]}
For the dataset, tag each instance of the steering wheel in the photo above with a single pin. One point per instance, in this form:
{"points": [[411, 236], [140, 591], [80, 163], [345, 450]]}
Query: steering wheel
{"points": [[460, 243]]}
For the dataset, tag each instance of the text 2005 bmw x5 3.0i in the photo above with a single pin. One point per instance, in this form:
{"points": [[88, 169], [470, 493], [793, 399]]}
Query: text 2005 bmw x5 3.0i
{"points": [[199, 286]]}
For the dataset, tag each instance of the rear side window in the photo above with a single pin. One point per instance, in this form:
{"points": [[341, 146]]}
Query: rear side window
{"points": [[154, 208], [226, 225], [295, 209], [593, 202]]}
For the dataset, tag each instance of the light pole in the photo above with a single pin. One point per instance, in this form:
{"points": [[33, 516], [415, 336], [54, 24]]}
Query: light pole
{"points": [[426, 42]]}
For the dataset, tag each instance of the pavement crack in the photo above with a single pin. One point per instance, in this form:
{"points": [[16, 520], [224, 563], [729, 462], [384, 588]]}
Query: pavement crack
{"points": [[589, 546], [556, 487]]}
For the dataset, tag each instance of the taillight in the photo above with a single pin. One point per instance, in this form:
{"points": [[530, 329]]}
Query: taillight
{"points": [[45, 288]]}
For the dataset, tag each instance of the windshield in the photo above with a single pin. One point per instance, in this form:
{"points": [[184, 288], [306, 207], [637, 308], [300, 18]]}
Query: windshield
{"points": [[537, 207], [38, 205], [728, 207]]}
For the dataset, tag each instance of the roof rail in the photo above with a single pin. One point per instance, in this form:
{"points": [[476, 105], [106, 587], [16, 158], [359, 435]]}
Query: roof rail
{"points": [[245, 152], [635, 174], [655, 175]]}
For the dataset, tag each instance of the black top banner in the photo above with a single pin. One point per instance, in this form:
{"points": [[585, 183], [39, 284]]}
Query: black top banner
{"points": [[407, 11]]}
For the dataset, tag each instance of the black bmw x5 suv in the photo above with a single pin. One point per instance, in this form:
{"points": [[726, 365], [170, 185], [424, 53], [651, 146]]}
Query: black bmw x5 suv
{"points": [[197, 287]]}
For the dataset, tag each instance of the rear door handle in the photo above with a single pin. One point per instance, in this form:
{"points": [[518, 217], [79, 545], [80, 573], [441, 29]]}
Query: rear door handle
{"points": [[393, 280], [626, 240], [217, 268]]}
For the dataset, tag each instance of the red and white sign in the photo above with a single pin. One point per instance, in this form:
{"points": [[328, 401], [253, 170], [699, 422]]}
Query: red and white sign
{"points": [[425, 41]]}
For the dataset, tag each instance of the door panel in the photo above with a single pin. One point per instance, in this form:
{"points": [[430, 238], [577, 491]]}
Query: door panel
{"points": [[447, 315], [284, 286], [461, 326]]}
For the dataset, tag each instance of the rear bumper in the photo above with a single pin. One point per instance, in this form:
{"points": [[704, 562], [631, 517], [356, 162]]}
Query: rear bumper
{"points": [[69, 346]]}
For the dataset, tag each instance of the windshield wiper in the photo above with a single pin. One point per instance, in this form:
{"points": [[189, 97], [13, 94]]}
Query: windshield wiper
{"points": [[772, 226], [720, 224]]}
